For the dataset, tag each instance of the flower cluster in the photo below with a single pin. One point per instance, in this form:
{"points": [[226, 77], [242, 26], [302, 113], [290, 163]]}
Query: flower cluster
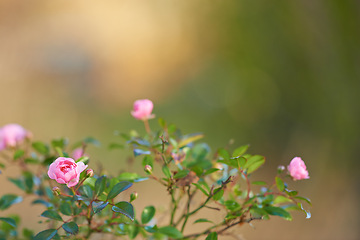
{"points": [[80, 201]]}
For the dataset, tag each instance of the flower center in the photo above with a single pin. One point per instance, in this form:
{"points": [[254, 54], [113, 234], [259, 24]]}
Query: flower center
{"points": [[67, 167]]}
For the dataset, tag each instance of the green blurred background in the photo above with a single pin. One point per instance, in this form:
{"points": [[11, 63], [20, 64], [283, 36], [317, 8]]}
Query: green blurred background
{"points": [[283, 76]]}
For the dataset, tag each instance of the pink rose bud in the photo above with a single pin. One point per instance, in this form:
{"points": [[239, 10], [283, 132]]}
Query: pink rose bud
{"points": [[133, 196], [12, 135], [66, 171], [56, 191], [148, 169], [297, 169], [89, 173], [78, 153], [280, 169], [142, 109]]}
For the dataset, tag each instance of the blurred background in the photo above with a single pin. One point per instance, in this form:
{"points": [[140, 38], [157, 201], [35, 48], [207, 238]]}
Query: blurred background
{"points": [[283, 76]]}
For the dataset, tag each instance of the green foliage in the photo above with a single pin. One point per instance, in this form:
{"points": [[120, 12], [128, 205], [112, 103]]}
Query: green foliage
{"points": [[118, 188], [9, 199], [212, 236], [124, 208], [147, 214], [52, 214], [170, 231], [46, 234], [71, 227], [194, 177]]}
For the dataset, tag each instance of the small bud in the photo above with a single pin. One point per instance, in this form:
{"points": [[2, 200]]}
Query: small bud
{"points": [[56, 191], [133, 196], [148, 169], [89, 173], [280, 169]]}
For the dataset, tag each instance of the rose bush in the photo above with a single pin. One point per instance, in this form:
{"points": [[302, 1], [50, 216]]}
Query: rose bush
{"points": [[79, 203]]}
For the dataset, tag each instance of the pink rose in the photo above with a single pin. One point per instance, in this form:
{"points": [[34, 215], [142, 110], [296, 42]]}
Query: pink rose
{"points": [[12, 135], [66, 171], [78, 153], [142, 109], [297, 169]]}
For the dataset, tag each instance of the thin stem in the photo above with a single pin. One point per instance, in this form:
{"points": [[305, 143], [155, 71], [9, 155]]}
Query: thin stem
{"points": [[188, 214], [174, 206], [147, 126], [187, 209]]}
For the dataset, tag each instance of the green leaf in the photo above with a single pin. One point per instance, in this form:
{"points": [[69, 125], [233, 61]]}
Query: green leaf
{"points": [[138, 152], [162, 122], [46, 234], [91, 140], [71, 227], [166, 171], [131, 177], [211, 170], [262, 183], [42, 201], [52, 214], [181, 174], [281, 199], [27, 233], [241, 161], [240, 151], [232, 205], [259, 212], [65, 208], [304, 199], [41, 147], [86, 191], [147, 214], [224, 154], [148, 160], [9, 221], [212, 236], [291, 193], [124, 208], [99, 206], [118, 188], [201, 220], [132, 230], [218, 195], [18, 182], [198, 186], [18, 154], [9, 199], [29, 181], [280, 184], [100, 185], [113, 146], [185, 140], [59, 143], [278, 211], [254, 162], [170, 231]]}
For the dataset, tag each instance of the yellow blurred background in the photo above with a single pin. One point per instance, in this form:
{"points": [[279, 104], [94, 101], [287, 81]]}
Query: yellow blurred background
{"points": [[281, 75]]}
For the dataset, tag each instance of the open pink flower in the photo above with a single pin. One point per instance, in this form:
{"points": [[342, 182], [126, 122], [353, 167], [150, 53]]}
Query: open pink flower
{"points": [[12, 135], [297, 169], [66, 171], [142, 109]]}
